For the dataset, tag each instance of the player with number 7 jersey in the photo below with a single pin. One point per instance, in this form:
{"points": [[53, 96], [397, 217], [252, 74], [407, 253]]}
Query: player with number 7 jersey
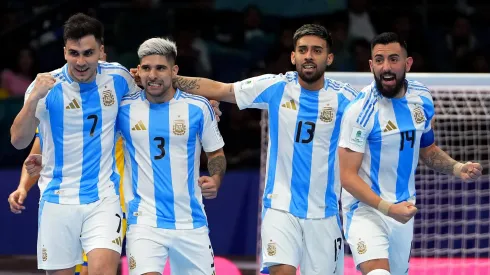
{"points": [[75, 109]]}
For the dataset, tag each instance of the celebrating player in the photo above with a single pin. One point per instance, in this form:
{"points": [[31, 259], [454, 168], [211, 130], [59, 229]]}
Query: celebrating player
{"points": [[301, 224], [163, 131], [384, 132], [75, 108]]}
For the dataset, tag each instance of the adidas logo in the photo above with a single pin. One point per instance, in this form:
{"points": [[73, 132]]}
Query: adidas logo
{"points": [[390, 126], [289, 105], [73, 105], [139, 126], [117, 241]]}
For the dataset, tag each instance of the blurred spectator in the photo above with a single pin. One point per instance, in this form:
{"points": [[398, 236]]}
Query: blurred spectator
{"points": [[360, 24], [279, 58], [17, 79], [361, 52], [339, 28]]}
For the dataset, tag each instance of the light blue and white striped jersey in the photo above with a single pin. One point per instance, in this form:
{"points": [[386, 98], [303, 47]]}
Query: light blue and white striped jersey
{"points": [[390, 133], [77, 127], [162, 146], [302, 176]]}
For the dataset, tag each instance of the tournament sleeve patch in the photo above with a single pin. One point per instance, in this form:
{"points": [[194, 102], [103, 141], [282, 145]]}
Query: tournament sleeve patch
{"points": [[246, 84], [358, 137]]}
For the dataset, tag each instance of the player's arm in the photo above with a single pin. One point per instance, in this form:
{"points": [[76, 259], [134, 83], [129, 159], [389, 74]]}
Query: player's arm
{"points": [[16, 198], [352, 145], [27, 180], [350, 162], [438, 160], [206, 87], [25, 123]]}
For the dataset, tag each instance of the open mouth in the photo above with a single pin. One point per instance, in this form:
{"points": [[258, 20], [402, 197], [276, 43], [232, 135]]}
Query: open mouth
{"points": [[81, 70], [154, 85], [388, 79], [309, 67]]}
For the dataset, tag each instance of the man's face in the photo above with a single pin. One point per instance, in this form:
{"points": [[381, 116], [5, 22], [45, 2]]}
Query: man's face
{"points": [[156, 73], [389, 65], [311, 58], [82, 57]]}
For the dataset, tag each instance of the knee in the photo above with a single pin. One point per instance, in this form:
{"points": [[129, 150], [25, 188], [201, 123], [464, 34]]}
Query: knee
{"points": [[282, 269], [379, 272], [378, 266]]}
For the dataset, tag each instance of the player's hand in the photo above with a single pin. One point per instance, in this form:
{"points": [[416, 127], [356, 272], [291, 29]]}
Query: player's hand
{"points": [[16, 200], [403, 211], [137, 79], [216, 109], [44, 83], [209, 187], [34, 164], [470, 171]]}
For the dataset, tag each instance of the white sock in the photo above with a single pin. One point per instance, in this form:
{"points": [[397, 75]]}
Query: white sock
{"points": [[379, 272]]}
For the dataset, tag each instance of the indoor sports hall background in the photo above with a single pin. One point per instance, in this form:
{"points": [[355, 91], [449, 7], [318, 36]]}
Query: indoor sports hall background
{"points": [[229, 40]]}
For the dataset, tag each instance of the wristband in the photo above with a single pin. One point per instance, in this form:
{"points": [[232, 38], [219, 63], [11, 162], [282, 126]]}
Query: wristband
{"points": [[384, 207]]}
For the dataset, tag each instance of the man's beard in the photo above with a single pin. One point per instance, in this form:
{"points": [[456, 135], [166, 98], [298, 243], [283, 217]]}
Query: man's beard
{"points": [[310, 78], [390, 92]]}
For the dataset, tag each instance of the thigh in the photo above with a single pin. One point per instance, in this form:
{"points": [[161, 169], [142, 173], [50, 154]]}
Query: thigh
{"points": [[103, 225], [367, 236], [282, 239], [400, 246], [146, 249], [324, 247], [58, 243], [191, 252]]}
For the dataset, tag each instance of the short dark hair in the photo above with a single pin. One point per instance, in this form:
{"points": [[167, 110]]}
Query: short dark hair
{"points": [[80, 25], [388, 38], [313, 29]]}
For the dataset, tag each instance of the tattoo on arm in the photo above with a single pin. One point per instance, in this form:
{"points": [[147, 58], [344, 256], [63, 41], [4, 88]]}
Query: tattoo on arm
{"points": [[186, 84], [217, 166], [439, 161]]}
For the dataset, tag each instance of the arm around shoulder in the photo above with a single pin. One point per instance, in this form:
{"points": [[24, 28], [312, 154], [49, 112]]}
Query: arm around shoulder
{"points": [[205, 87]]}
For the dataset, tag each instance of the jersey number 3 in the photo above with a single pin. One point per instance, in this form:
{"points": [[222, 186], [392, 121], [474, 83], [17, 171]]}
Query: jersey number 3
{"points": [[160, 146]]}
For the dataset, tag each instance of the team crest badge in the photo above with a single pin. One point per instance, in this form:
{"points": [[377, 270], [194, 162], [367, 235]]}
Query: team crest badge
{"points": [[271, 249], [132, 263], [108, 98], [327, 114], [361, 247], [45, 254], [418, 115], [179, 127]]}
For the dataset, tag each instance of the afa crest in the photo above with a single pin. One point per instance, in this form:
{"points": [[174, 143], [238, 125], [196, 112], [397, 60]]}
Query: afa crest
{"points": [[418, 115], [361, 247], [132, 263], [108, 98], [327, 114], [179, 127], [271, 249], [45, 254]]}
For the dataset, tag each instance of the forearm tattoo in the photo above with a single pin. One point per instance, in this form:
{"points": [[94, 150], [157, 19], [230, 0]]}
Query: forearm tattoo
{"points": [[186, 84], [439, 161], [217, 166]]}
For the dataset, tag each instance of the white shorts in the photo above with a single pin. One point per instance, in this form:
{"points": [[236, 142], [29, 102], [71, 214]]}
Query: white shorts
{"points": [[65, 230], [189, 250], [372, 235], [316, 245]]}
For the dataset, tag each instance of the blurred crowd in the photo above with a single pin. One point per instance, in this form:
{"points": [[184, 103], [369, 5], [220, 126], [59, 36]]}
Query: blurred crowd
{"points": [[230, 45]]}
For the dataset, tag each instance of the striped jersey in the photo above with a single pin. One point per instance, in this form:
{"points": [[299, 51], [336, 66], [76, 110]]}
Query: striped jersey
{"points": [[302, 176], [77, 130], [389, 132], [162, 144]]}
